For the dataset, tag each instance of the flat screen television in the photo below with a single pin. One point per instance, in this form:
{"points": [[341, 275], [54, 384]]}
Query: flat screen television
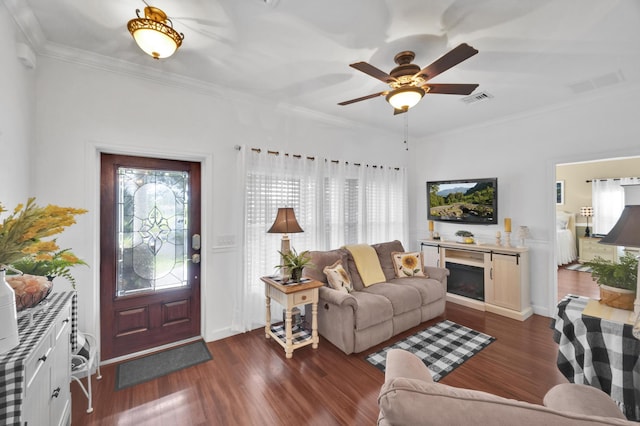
{"points": [[472, 201]]}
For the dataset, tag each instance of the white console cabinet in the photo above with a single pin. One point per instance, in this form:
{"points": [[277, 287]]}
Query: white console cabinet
{"points": [[35, 375], [589, 248], [505, 275]]}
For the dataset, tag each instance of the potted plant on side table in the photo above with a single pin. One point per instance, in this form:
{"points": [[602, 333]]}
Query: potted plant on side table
{"points": [[617, 281], [293, 264]]}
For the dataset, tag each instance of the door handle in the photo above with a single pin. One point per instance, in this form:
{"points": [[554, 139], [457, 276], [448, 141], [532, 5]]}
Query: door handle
{"points": [[195, 258], [195, 242]]}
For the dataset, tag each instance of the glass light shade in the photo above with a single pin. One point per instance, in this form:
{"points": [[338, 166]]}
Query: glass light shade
{"points": [[154, 33], [405, 97], [155, 43]]}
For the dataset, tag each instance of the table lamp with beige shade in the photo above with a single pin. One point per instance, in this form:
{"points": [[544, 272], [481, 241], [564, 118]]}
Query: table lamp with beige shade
{"points": [[285, 224]]}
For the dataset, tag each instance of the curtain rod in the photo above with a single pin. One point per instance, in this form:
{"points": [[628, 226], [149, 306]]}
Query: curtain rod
{"points": [[591, 180], [258, 150]]}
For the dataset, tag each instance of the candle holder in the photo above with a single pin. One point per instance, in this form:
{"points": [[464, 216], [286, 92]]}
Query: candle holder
{"points": [[507, 239], [431, 235]]}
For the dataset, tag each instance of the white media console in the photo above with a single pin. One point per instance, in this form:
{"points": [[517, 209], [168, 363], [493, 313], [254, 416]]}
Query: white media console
{"points": [[499, 274]]}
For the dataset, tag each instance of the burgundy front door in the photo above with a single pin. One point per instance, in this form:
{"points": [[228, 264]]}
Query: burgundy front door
{"points": [[150, 249]]}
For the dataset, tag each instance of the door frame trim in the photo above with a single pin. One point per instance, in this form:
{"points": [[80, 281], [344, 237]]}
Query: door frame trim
{"points": [[92, 196]]}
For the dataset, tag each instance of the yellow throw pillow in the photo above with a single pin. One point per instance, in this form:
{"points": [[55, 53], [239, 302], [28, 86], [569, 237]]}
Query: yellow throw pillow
{"points": [[408, 264], [338, 278]]}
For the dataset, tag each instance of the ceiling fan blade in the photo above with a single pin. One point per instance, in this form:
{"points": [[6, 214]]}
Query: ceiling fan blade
{"points": [[449, 89], [448, 60], [364, 98], [373, 72]]}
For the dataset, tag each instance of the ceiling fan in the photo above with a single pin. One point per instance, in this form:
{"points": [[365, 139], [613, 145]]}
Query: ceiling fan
{"points": [[409, 83]]}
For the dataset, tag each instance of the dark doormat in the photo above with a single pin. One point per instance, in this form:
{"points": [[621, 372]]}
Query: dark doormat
{"points": [[160, 364]]}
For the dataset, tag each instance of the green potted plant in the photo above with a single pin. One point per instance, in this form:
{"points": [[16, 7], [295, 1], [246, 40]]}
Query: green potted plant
{"points": [[293, 263], [618, 281], [57, 264]]}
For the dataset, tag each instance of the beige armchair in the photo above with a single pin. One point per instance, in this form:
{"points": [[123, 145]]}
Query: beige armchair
{"points": [[410, 397]]}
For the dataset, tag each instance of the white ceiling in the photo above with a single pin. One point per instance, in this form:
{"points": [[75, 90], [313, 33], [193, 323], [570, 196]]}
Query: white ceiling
{"points": [[533, 54]]}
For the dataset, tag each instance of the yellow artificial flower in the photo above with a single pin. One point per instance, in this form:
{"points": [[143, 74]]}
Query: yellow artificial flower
{"points": [[22, 232]]}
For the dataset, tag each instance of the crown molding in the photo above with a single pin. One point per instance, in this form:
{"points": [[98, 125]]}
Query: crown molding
{"points": [[624, 90], [32, 31], [27, 22]]}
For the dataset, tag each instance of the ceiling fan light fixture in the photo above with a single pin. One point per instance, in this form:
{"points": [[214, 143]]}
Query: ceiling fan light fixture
{"points": [[154, 33], [405, 97]]}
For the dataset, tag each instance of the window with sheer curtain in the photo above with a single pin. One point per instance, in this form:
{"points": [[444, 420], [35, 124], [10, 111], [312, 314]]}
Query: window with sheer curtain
{"points": [[335, 203], [607, 196]]}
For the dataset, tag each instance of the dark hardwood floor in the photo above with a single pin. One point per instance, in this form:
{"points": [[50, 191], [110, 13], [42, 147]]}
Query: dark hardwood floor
{"points": [[577, 283], [250, 382]]}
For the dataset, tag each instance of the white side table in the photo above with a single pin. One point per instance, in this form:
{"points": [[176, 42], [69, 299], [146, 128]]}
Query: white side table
{"points": [[289, 296]]}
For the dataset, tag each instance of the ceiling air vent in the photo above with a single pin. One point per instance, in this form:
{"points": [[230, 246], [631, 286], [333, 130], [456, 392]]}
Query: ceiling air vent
{"points": [[476, 97], [598, 82]]}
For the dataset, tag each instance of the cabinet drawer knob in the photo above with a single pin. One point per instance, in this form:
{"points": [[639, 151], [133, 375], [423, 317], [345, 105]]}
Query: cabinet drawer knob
{"points": [[304, 297]]}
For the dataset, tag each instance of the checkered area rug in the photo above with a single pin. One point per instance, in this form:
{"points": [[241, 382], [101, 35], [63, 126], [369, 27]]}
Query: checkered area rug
{"points": [[578, 267], [442, 347], [298, 334]]}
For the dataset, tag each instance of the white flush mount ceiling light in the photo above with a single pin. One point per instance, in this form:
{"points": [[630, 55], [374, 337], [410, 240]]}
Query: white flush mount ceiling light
{"points": [[404, 98], [154, 33]]}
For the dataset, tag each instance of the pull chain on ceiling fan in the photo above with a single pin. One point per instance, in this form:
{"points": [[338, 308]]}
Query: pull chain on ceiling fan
{"points": [[409, 83], [406, 132]]}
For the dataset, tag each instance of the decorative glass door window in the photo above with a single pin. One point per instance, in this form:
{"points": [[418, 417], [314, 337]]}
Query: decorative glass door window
{"points": [[152, 230]]}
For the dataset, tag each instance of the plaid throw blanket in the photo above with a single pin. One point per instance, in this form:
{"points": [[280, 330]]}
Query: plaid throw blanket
{"points": [[598, 352]]}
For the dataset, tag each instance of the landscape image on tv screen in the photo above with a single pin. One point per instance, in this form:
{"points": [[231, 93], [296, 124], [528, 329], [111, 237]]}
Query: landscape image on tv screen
{"points": [[464, 201]]}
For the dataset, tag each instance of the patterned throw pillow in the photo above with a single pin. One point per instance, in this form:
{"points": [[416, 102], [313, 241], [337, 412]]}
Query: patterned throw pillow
{"points": [[408, 264], [338, 277]]}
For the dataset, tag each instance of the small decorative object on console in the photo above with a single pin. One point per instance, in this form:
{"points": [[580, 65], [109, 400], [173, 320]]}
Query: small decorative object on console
{"points": [[523, 234], [464, 237]]}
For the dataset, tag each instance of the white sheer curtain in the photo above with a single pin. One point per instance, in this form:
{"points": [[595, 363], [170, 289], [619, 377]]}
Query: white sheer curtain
{"points": [[608, 202], [385, 198], [336, 203], [270, 182]]}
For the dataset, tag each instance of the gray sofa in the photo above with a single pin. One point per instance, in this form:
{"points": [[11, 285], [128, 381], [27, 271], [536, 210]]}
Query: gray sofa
{"points": [[371, 315], [409, 397]]}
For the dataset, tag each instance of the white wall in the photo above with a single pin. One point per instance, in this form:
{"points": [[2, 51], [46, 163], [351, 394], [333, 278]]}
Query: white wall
{"points": [[16, 117], [83, 110], [522, 153]]}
